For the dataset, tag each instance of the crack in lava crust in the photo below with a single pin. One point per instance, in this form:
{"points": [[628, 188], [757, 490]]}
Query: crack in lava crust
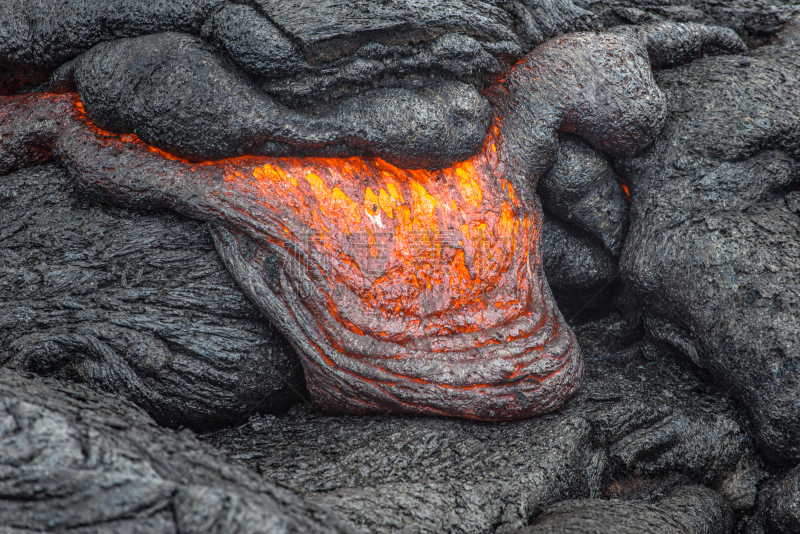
{"points": [[403, 290]]}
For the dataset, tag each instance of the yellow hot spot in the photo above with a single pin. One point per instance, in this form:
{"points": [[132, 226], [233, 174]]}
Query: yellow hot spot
{"points": [[460, 266], [468, 184], [278, 174], [507, 226], [335, 205], [371, 203], [402, 229], [396, 195], [512, 195], [424, 202], [317, 187], [478, 237], [344, 205], [425, 227], [385, 202]]}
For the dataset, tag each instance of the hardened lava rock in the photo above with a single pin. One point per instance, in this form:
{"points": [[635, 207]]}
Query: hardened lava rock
{"points": [[136, 304], [634, 420], [577, 266], [179, 94], [686, 510], [755, 20], [713, 248], [316, 43], [781, 512], [582, 189], [36, 36], [75, 460]]}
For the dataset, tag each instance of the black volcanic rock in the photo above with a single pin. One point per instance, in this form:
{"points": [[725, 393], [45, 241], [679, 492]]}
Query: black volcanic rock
{"points": [[329, 29], [576, 265], [781, 514], [74, 460], [383, 473], [582, 189], [686, 510], [253, 42], [713, 248], [36, 36], [178, 93], [754, 20], [132, 303]]}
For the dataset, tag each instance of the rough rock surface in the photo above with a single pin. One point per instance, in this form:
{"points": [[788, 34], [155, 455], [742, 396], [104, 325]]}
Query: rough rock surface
{"points": [[329, 29], [177, 93], [582, 189], [74, 460], [686, 510], [132, 303], [36, 36], [633, 417], [350, 326], [713, 248], [154, 337], [576, 265], [781, 512], [754, 20]]}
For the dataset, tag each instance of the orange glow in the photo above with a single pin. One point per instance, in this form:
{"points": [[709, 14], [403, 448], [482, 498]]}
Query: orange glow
{"points": [[414, 246], [421, 251], [627, 191]]}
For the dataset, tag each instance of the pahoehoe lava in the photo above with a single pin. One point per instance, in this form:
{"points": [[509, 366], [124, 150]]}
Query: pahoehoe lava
{"points": [[403, 290]]}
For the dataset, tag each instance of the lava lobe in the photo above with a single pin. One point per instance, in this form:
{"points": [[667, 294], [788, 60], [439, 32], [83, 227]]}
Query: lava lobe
{"points": [[403, 290]]}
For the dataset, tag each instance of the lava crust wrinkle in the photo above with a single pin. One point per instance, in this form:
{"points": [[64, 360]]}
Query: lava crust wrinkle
{"points": [[403, 290]]}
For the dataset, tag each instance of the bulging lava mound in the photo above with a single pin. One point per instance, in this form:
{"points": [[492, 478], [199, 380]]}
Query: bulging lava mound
{"points": [[407, 283]]}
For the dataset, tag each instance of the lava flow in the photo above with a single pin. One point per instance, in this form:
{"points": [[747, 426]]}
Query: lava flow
{"points": [[402, 290]]}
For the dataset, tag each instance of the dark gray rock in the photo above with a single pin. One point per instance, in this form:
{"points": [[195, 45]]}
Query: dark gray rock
{"points": [[740, 489], [582, 189], [689, 40], [777, 509], [452, 56], [687, 510], [301, 37], [36, 36], [329, 29], [385, 473], [713, 248], [754, 20], [781, 514], [576, 265], [383, 45], [253, 42], [178, 93], [74, 460], [132, 303]]}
